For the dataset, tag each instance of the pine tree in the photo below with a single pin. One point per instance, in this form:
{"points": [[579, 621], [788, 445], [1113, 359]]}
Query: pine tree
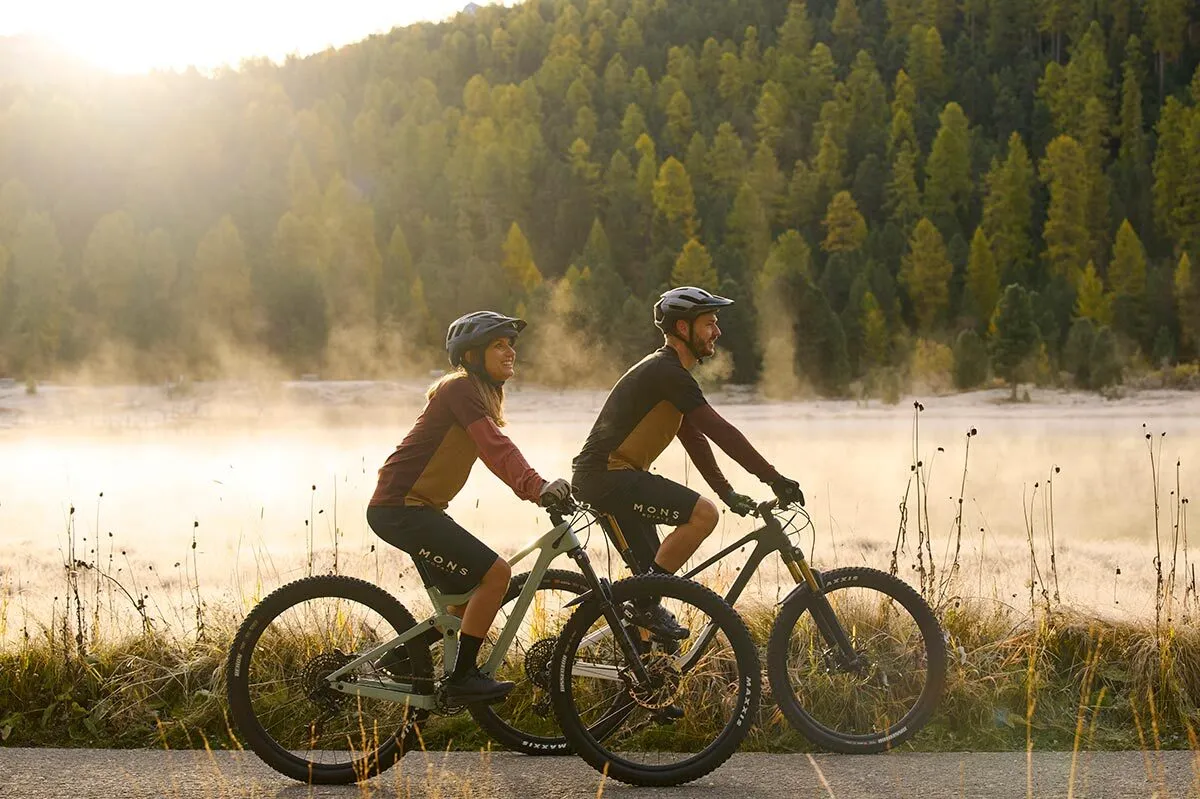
{"points": [[924, 62], [1014, 336], [766, 180], [845, 228], [770, 116], [633, 126], [518, 262], [694, 267], [803, 196], [673, 198], [847, 26], [925, 275], [1127, 282], [1187, 300], [970, 360], [749, 230], [876, 339], [1077, 352], [1068, 243], [1166, 23], [983, 281], [1091, 301], [1008, 210], [727, 160], [903, 196], [679, 121], [948, 173]]}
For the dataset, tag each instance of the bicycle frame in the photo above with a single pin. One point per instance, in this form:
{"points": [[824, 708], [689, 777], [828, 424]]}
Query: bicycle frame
{"points": [[559, 541], [768, 538], [771, 538]]}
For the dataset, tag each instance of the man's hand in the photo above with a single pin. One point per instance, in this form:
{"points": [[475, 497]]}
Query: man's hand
{"points": [[740, 504], [788, 491], [554, 493]]}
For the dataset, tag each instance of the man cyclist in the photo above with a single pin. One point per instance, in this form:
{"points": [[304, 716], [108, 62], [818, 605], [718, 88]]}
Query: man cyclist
{"points": [[653, 402]]}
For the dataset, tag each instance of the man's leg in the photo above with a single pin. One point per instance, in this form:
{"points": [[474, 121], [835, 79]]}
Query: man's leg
{"points": [[685, 539]]}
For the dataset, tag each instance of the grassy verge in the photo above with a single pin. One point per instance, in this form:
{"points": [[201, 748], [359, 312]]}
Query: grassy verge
{"points": [[1053, 682]]}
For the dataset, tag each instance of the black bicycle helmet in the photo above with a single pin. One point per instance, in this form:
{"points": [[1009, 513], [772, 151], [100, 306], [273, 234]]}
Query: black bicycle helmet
{"points": [[476, 329], [685, 302]]}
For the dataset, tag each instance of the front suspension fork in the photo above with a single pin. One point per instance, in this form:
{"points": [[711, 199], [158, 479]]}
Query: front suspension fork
{"points": [[822, 612], [603, 589]]}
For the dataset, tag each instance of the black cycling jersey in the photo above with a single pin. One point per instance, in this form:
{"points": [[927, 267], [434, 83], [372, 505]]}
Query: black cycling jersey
{"points": [[642, 414]]}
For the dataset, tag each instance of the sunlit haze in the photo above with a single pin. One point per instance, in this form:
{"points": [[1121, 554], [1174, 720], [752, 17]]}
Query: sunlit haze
{"points": [[132, 36]]}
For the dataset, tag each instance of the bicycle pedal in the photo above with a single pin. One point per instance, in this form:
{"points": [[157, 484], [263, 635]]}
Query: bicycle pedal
{"points": [[669, 714]]}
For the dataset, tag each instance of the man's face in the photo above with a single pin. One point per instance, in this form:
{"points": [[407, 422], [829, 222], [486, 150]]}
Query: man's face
{"points": [[705, 333]]}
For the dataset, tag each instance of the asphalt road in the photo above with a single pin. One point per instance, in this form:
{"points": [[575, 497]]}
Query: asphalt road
{"points": [[112, 774]]}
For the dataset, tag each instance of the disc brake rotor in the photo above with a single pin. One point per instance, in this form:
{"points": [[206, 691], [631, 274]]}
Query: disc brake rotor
{"points": [[663, 686]]}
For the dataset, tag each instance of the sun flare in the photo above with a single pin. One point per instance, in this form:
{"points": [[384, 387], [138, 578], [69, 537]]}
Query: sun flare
{"points": [[132, 36]]}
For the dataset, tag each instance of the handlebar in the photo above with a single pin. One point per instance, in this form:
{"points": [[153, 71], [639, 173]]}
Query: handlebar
{"points": [[559, 510]]}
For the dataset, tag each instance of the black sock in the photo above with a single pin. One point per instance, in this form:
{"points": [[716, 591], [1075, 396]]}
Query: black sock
{"points": [[468, 651]]}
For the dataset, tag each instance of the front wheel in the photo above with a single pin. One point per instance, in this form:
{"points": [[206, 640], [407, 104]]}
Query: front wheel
{"points": [[889, 694], [668, 712]]}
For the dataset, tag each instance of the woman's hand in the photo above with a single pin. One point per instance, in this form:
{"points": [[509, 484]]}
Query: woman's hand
{"points": [[554, 492]]}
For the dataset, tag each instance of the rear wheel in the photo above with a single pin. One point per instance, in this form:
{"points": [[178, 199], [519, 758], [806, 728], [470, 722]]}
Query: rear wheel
{"points": [[285, 709], [894, 688]]}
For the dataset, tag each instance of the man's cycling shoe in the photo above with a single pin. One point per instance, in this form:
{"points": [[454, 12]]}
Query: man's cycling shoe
{"points": [[476, 687], [669, 714], [658, 620]]}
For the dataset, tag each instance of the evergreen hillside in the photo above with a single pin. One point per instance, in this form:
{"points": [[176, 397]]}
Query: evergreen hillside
{"points": [[889, 188]]}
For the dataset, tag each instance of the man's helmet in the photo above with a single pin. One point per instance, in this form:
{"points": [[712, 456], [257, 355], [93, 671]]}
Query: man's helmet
{"points": [[476, 329], [685, 302]]}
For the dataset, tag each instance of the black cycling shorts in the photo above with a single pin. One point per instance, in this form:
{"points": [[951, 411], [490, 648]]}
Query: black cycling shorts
{"points": [[631, 505], [447, 556]]}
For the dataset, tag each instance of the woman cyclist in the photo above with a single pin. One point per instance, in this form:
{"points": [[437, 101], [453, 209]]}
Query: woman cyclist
{"points": [[461, 422]]}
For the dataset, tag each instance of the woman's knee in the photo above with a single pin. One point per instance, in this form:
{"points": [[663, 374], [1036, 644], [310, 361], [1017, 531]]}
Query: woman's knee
{"points": [[705, 514]]}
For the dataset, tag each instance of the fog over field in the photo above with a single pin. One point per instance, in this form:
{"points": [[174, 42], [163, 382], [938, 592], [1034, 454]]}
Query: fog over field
{"points": [[245, 467]]}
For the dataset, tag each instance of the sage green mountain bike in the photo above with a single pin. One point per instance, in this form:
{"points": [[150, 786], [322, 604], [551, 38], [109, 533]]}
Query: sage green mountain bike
{"points": [[330, 677]]}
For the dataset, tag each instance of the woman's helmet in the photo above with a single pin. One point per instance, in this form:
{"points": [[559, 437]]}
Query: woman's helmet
{"points": [[477, 329]]}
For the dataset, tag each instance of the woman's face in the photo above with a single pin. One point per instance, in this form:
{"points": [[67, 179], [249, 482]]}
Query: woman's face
{"points": [[499, 358]]}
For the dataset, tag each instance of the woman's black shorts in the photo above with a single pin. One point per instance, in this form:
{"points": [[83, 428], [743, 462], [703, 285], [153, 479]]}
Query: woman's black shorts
{"points": [[447, 556]]}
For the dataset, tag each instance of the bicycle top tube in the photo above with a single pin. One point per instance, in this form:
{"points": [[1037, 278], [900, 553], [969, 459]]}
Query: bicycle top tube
{"points": [[557, 541]]}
